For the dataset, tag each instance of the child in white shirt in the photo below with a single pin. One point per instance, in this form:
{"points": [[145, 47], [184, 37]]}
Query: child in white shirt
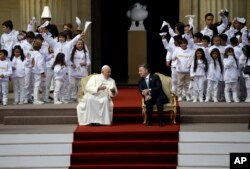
{"points": [[80, 60], [60, 71], [231, 75], [183, 57], [198, 74], [18, 67], [5, 73], [38, 70], [214, 75]]}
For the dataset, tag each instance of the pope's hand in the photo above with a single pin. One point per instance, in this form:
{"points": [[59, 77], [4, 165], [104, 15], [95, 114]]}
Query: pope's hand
{"points": [[101, 87]]}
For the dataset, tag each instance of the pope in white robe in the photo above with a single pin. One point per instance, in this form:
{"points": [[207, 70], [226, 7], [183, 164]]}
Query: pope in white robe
{"points": [[96, 106]]}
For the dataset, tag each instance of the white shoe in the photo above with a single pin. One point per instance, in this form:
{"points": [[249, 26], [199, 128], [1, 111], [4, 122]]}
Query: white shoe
{"points": [[194, 100], [65, 102], [236, 100], [57, 102], [179, 99], [201, 100], [20, 103], [5, 104], [215, 100], [15, 103], [188, 99], [47, 101], [38, 102], [247, 100], [25, 102]]}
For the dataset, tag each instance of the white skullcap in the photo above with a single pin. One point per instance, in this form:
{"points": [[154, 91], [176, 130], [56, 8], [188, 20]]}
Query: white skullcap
{"points": [[104, 67], [241, 20]]}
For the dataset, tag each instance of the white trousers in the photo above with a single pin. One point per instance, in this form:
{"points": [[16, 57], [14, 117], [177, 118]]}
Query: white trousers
{"points": [[37, 84], [59, 90], [4, 85], [75, 87], [28, 84], [212, 89], [18, 89], [198, 87]]}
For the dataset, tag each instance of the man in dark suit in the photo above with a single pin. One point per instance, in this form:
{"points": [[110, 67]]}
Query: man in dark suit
{"points": [[151, 89]]}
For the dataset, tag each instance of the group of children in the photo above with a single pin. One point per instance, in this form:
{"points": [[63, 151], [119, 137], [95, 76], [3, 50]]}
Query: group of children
{"points": [[34, 61], [208, 69]]}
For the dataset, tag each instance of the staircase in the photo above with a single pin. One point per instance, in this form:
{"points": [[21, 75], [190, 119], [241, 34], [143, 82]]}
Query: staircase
{"points": [[123, 147], [40, 151]]}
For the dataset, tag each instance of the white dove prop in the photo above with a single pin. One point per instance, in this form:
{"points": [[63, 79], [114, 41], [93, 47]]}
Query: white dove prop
{"points": [[87, 23], [191, 21], [164, 23], [78, 22], [46, 23]]}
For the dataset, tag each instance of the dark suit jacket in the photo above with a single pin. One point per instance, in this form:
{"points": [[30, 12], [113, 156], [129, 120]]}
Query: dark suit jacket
{"points": [[154, 84]]}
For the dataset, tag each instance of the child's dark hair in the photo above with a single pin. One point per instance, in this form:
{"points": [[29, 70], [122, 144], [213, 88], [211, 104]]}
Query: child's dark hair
{"points": [[62, 34], [8, 24], [230, 49], [246, 51], [74, 50], [180, 27], [198, 35], [206, 38], [60, 59], [5, 52], [39, 37], [203, 58], [219, 58], [22, 57], [234, 41], [30, 35]]}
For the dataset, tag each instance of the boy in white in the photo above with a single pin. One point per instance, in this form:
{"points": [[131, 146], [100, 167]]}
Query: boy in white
{"points": [[38, 63], [183, 57], [231, 75], [18, 66], [5, 73], [198, 74], [9, 37], [170, 50]]}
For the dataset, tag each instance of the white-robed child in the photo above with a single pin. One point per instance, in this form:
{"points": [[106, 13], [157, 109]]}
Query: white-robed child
{"points": [[60, 75], [5, 73], [79, 60], [214, 75], [18, 68], [198, 72], [231, 75]]}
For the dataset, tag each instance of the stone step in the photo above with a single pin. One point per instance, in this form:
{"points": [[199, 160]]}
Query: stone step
{"points": [[215, 118]]}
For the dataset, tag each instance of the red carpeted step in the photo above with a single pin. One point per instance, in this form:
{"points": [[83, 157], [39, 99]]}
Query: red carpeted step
{"points": [[126, 166], [125, 145], [126, 135], [121, 157]]}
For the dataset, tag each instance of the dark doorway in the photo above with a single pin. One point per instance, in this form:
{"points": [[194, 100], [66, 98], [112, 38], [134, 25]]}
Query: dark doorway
{"points": [[110, 26]]}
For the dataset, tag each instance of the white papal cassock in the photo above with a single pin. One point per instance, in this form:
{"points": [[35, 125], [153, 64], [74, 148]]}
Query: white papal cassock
{"points": [[97, 106]]}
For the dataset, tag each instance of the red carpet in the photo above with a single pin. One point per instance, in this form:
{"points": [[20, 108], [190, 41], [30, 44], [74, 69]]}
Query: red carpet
{"points": [[127, 144]]}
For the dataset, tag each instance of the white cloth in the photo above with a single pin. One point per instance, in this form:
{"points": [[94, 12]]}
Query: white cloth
{"points": [[97, 106]]}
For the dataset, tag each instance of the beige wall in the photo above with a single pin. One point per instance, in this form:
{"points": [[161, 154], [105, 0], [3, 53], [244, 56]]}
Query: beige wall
{"points": [[10, 10]]}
